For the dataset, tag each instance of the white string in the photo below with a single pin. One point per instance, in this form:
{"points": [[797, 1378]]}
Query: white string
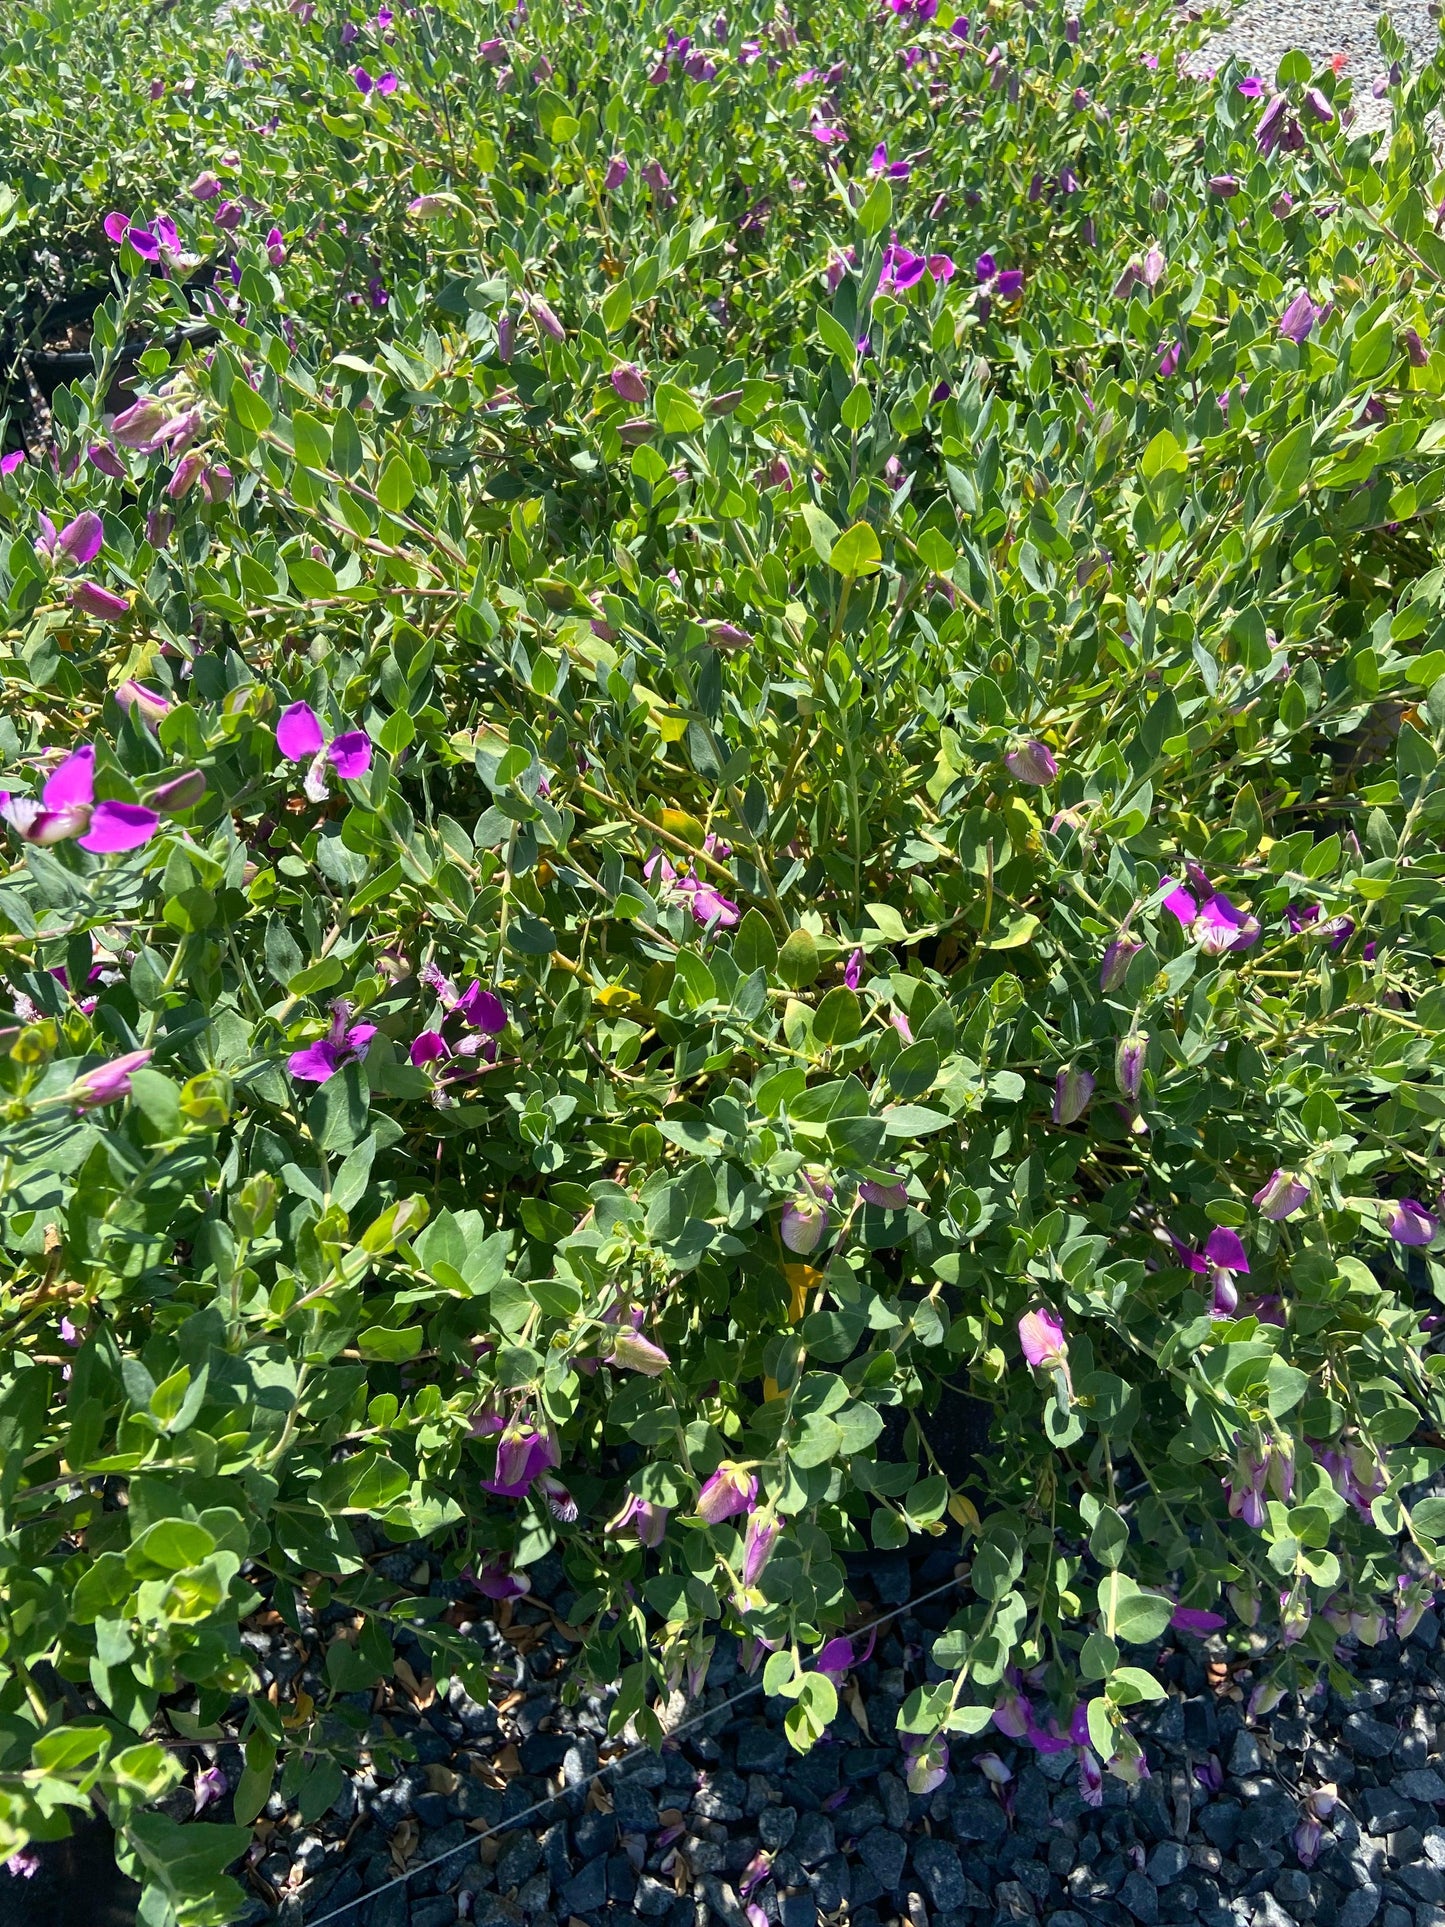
{"points": [[358, 1901]]}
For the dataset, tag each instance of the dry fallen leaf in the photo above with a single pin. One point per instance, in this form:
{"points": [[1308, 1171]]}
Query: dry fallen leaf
{"points": [[403, 1842], [853, 1699], [441, 1779], [419, 1690]]}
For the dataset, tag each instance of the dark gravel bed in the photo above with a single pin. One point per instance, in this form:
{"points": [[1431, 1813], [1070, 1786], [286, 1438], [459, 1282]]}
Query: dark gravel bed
{"points": [[728, 1825]]}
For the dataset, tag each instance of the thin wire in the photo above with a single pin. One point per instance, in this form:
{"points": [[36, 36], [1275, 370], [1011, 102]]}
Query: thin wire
{"points": [[515, 1820]]}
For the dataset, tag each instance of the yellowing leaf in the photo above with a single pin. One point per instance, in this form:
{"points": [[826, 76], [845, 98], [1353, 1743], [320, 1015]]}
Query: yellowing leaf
{"points": [[801, 1280]]}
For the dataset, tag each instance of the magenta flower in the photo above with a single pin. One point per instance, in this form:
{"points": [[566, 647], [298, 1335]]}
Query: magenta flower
{"points": [[205, 187], [299, 735], [1091, 1778], [1214, 923], [892, 1196], [1299, 318], [1193, 1619], [1408, 1222], [1223, 187], [1073, 1089], [853, 970], [1032, 762], [647, 1520], [634, 1353], [1281, 1195], [106, 605], [67, 807], [79, 541], [428, 1047], [482, 1009], [1041, 1335], [23, 1864], [363, 79], [343, 1044], [523, 1454], [879, 163], [1224, 1247], [275, 247], [902, 269], [1114, 966], [1169, 360], [1272, 127], [120, 228], [729, 1491], [1318, 107], [107, 1083], [617, 173], [758, 1542]]}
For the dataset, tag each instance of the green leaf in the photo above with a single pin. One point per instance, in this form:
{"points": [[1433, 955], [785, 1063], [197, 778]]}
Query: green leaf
{"points": [[798, 960], [375, 1482], [857, 551], [391, 1342], [251, 410], [397, 485], [877, 210], [837, 1019], [1109, 1538], [675, 410]]}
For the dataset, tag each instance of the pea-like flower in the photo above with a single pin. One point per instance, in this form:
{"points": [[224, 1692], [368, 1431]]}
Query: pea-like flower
{"points": [[344, 1043], [758, 1542], [523, 1454], [1408, 1222], [1212, 921], [80, 541], [1281, 1195], [1073, 1088], [67, 808], [643, 1518], [634, 1353], [729, 1491], [1194, 1619], [299, 735], [1032, 762], [1041, 1335]]}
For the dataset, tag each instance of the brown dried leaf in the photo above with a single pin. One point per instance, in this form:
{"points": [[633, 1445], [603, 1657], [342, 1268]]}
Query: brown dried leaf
{"points": [[440, 1778], [599, 1800], [403, 1843], [854, 1701]]}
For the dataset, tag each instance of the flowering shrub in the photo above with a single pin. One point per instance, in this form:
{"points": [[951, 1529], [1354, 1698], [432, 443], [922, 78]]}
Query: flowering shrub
{"points": [[758, 745]]}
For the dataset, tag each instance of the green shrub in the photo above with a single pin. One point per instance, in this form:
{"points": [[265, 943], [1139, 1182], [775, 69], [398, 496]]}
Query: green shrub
{"points": [[700, 805]]}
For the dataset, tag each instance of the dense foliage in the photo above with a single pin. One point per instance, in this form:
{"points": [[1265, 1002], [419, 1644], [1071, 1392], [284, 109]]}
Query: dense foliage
{"points": [[714, 729]]}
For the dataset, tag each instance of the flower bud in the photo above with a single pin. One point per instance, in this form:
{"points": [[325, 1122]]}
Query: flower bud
{"points": [[104, 604], [1114, 966], [182, 792], [1032, 762], [1129, 1064], [628, 382], [1073, 1089]]}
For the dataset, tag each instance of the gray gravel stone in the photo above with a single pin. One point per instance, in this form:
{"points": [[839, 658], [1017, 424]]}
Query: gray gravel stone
{"points": [[939, 1868], [1421, 1783], [1139, 1894], [1359, 1908], [1368, 1739], [1167, 1863], [586, 1890], [1244, 1753], [775, 1826], [1260, 34], [883, 1853]]}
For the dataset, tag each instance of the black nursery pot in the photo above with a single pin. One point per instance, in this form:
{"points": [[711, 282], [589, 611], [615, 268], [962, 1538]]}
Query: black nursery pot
{"points": [[78, 1885]]}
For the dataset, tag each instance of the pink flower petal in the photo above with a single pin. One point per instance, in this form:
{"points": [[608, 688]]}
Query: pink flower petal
{"points": [[298, 733], [351, 754], [73, 782], [119, 826]]}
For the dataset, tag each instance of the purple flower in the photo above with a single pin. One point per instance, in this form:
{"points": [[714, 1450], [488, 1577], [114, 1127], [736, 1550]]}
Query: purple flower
{"points": [[1129, 1060], [1251, 87], [729, 1491], [544, 317], [1408, 1222], [106, 605], [428, 1047], [1032, 762], [205, 187], [187, 472], [482, 1009], [1415, 348], [647, 1520], [902, 269], [985, 268], [617, 173], [1215, 924], [177, 793], [1073, 1089], [892, 1196], [1210, 1774], [1041, 1335], [1281, 1195], [494, 1579], [102, 458], [1271, 130], [1169, 360], [1223, 186], [1091, 1778], [275, 247], [299, 735], [120, 228], [23, 1865], [638, 1354], [523, 1454], [363, 79], [210, 1784], [79, 541], [804, 1224], [941, 267], [426, 207], [758, 1869], [628, 382], [343, 1044], [1299, 318], [1008, 283], [107, 1083], [1225, 1249], [1192, 1619], [853, 970], [1318, 107], [879, 163], [1114, 965], [758, 1542], [138, 426]]}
